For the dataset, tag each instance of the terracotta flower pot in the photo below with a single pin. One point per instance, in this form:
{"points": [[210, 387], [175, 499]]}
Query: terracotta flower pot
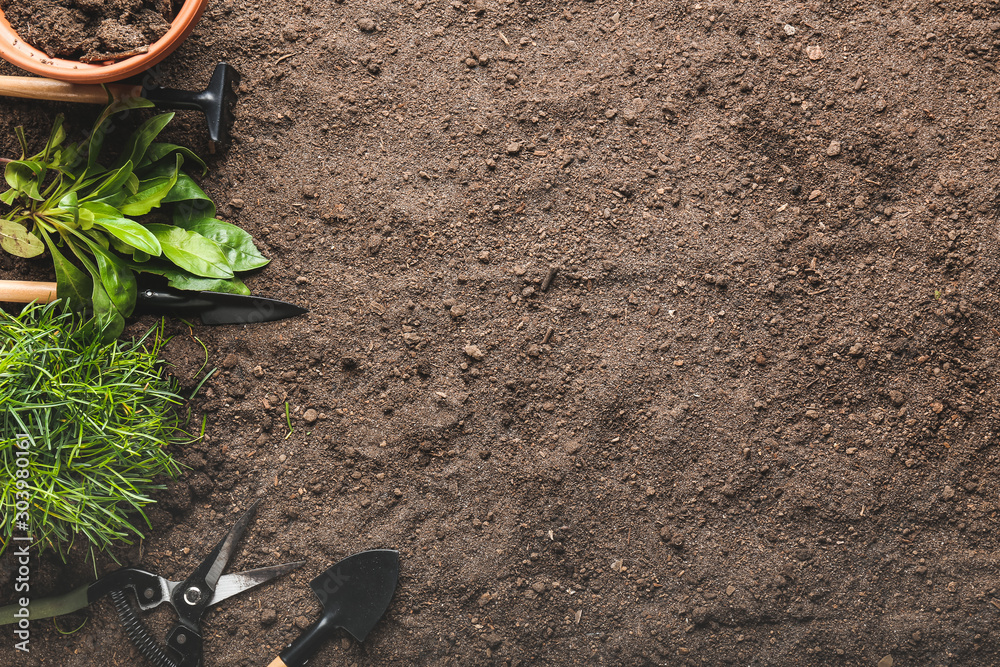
{"points": [[15, 50]]}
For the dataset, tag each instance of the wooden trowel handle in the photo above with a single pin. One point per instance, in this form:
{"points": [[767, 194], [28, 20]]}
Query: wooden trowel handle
{"points": [[34, 88], [278, 662], [26, 291]]}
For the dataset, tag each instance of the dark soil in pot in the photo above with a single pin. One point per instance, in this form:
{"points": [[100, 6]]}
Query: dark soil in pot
{"points": [[89, 29]]}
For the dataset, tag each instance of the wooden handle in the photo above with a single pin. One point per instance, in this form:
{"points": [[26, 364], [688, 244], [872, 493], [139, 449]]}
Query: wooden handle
{"points": [[26, 291], [34, 88], [278, 662]]}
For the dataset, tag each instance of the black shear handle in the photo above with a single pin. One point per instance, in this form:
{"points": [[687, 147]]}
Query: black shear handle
{"points": [[183, 641]]}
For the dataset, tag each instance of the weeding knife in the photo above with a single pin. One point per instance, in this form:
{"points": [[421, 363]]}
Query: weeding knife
{"points": [[212, 307]]}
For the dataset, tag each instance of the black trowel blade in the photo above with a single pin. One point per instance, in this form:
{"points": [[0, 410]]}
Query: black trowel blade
{"points": [[355, 594], [356, 591], [214, 307]]}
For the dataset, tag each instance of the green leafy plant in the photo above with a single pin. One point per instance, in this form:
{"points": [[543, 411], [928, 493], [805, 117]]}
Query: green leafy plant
{"points": [[85, 214], [83, 427]]}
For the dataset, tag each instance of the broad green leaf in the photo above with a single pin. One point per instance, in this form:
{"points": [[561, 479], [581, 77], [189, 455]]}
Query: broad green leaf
{"points": [[158, 151], [17, 240], [180, 279], [107, 323], [9, 196], [86, 218], [95, 142], [113, 200], [230, 286], [56, 137], [146, 198], [130, 233], [25, 176], [100, 209], [109, 182], [98, 237], [190, 201], [235, 243], [71, 205], [104, 126], [138, 143], [192, 251], [72, 284], [120, 247], [150, 193], [68, 156], [118, 280]]}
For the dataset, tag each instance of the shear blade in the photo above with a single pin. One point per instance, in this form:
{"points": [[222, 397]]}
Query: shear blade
{"points": [[234, 584], [216, 561]]}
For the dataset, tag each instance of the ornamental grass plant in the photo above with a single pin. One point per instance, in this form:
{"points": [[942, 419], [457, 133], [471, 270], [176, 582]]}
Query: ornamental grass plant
{"points": [[84, 427]]}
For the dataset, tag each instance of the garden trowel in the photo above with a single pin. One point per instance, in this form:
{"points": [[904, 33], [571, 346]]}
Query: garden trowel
{"points": [[211, 307], [355, 594]]}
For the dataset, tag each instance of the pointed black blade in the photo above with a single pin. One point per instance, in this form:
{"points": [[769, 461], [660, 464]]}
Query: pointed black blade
{"points": [[356, 591], [195, 593], [239, 309], [215, 307]]}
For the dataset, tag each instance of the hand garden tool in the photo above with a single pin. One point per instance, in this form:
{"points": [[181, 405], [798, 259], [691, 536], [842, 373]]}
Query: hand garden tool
{"points": [[212, 307], [206, 587], [216, 101], [355, 594]]}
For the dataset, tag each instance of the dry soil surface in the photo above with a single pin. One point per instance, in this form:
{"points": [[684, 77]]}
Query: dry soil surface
{"points": [[650, 333]]}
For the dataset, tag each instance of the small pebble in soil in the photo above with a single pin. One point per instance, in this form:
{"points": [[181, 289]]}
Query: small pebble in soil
{"points": [[268, 617], [473, 352]]}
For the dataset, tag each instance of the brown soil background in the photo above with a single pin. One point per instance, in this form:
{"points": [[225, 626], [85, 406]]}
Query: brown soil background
{"points": [[752, 420]]}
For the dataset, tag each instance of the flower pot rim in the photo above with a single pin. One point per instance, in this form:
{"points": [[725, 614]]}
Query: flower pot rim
{"points": [[16, 51]]}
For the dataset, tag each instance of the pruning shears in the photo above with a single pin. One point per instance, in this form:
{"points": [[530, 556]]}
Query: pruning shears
{"points": [[204, 588]]}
